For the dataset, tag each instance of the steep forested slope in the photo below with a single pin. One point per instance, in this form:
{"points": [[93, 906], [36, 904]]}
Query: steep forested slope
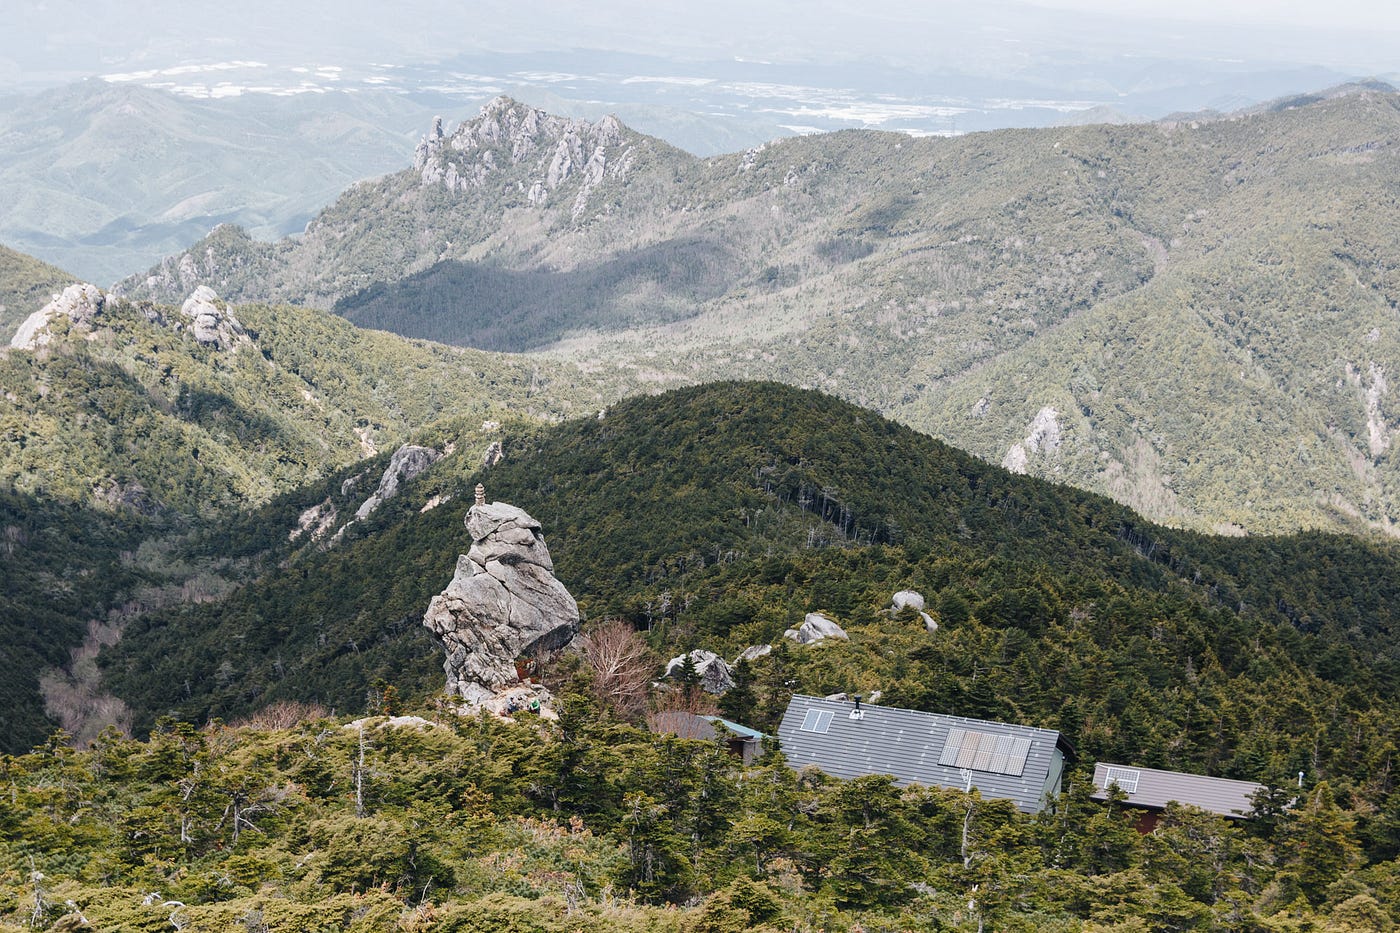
{"points": [[122, 433], [26, 284], [717, 516]]}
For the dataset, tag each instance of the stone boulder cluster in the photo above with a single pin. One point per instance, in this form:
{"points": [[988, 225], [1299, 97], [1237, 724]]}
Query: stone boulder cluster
{"points": [[79, 303], [206, 318], [715, 675], [503, 608]]}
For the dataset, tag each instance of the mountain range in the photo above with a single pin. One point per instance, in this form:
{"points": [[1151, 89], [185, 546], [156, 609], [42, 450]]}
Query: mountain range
{"points": [[1194, 316], [99, 177]]}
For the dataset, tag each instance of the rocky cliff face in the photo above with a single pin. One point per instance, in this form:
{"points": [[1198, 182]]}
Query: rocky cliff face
{"points": [[406, 463], [503, 603], [553, 150]]}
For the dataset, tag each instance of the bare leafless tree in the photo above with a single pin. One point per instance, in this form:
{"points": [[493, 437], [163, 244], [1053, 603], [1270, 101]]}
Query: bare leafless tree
{"points": [[622, 665]]}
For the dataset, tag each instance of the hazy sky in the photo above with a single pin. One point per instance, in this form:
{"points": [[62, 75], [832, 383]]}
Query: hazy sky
{"points": [[49, 41], [1352, 14]]}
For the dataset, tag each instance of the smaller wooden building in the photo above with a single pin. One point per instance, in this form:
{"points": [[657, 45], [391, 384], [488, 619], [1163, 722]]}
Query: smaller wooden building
{"points": [[744, 743], [1151, 789]]}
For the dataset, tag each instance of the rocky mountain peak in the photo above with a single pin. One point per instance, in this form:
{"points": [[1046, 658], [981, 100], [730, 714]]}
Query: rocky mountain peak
{"points": [[553, 151]]}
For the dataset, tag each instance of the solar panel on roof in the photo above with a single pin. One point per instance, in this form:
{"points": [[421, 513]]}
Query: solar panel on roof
{"points": [[1125, 778], [985, 751], [817, 720]]}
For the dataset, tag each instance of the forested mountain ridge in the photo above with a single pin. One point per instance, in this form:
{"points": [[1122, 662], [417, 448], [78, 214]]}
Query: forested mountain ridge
{"points": [[717, 516], [128, 405], [126, 427], [1195, 317]]}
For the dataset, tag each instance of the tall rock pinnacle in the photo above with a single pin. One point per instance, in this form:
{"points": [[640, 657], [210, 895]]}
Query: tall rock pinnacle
{"points": [[503, 603]]}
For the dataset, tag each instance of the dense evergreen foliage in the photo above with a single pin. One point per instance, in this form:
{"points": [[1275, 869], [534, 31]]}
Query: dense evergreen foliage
{"points": [[295, 822], [717, 516]]}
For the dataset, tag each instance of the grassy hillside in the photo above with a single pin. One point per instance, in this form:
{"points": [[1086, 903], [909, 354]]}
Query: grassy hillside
{"points": [[1201, 313], [718, 516]]}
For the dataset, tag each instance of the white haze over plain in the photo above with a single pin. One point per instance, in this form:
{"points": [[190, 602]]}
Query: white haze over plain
{"points": [[51, 41]]}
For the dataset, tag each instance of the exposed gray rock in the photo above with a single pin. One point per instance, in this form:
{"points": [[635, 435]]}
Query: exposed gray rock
{"points": [[131, 495], [503, 603], [318, 520], [715, 675], [929, 623], [753, 653], [495, 453], [559, 151], [407, 462], [814, 628], [908, 599], [80, 303], [1042, 437], [212, 324]]}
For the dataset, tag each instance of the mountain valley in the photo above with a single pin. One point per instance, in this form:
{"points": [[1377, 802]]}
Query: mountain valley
{"points": [[981, 288]]}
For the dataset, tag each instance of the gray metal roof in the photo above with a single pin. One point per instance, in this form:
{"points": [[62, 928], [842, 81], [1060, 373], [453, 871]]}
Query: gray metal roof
{"points": [[1154, 789], [909, 745]]}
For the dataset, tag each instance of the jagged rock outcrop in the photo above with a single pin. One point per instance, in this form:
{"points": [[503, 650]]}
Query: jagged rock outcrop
{"points": [[503, 603], [80, 303], [714, 672], [559, 150], [212, 324], [1042, 437], [815, 627], [407, 462], [317, 521]]}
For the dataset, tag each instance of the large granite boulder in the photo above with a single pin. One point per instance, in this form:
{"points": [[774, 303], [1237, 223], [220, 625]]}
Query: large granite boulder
{"points": [[715, 675], [503, 604], [908, 599], [911, 599], [815, 627]]}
